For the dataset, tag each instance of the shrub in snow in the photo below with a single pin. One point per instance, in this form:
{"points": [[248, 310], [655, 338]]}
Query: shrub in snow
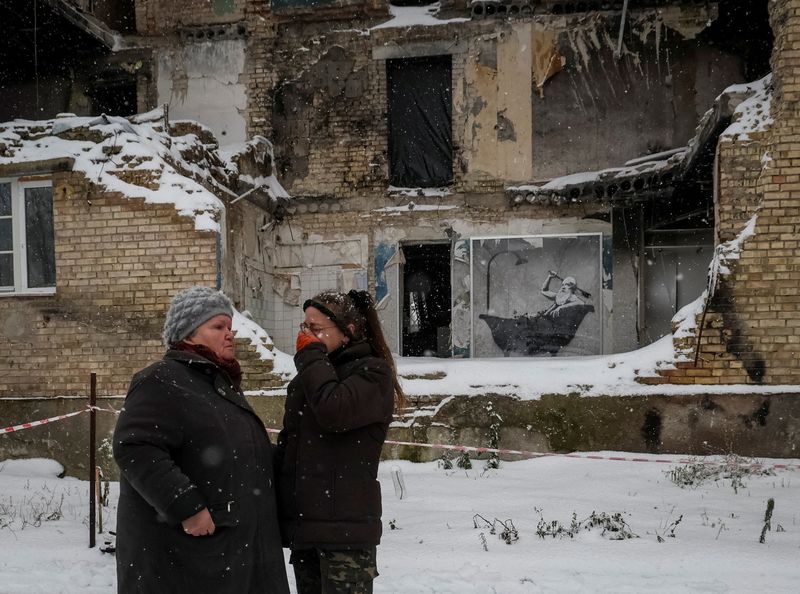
{"points": [[507, 531], [463, 461], [612, 526], [734, 469], [767, 520], [669, 530], [32, 510], [445, 461]]}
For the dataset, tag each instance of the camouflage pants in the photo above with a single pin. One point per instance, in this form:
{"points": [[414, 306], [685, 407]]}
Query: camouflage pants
{"points": [[323, 571]]}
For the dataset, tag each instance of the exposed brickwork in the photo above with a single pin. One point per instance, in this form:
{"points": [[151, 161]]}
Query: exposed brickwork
{"points": [[154, 17], [751, 331]]}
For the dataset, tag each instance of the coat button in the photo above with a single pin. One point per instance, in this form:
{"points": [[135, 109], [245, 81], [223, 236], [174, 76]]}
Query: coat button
{"points": [[221, 391]]}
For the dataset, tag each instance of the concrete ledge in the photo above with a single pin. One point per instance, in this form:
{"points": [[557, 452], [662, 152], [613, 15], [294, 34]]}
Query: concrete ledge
{"points": [[753, 425]]}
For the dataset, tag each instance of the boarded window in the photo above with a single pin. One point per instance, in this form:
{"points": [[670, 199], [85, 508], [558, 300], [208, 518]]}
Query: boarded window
{"points": [[420, 127]]}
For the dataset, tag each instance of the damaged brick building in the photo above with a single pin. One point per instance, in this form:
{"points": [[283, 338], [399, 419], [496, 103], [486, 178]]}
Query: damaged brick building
{"points": [[430, 152], [544, 178]]}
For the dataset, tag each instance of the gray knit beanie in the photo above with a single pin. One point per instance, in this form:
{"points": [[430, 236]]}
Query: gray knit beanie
{"points": [[190, 308]]}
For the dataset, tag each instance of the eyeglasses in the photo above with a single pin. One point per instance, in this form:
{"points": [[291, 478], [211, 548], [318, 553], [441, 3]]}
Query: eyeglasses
{"points": [[314, 329]]}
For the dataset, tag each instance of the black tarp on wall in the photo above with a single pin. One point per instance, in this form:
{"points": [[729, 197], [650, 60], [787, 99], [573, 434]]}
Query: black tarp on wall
{"points": [[420, 127]]}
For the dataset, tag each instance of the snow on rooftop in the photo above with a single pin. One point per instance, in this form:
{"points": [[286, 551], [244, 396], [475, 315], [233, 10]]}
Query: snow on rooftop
{"points": [[111, 151], [641, 166]]}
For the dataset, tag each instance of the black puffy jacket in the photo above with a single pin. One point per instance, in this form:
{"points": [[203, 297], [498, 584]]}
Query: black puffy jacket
{"points": [[187, 439], [338, 410]]}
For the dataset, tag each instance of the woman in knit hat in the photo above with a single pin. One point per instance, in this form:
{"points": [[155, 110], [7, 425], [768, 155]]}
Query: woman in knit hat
{"points": [[338, 410], [197, 509]]}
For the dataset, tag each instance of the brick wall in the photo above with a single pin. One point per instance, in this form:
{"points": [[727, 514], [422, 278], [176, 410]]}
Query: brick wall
{"points": [[118, 263], [738, 193], [751, 330], [155, 17]]}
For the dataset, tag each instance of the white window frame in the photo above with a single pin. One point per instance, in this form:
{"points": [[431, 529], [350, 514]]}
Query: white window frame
{"points": [[19, 239]]}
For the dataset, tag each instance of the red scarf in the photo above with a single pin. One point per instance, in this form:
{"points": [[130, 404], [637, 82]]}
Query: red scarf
{"points": [[229, 366]]}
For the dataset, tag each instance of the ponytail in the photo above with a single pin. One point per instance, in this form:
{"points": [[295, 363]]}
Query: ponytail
{"points": [[373, 334]]}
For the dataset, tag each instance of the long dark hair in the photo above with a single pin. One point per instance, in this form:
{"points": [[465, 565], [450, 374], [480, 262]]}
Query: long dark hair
{"points": [[358, 308]]}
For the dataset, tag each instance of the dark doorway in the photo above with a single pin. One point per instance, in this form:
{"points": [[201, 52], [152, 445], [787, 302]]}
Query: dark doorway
{"points": [[116, 98], [426, 300], [674, 273], [420, 126]]}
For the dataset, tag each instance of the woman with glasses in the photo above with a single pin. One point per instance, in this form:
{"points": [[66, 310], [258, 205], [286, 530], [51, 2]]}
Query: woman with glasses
{"points": [[338, 410]]}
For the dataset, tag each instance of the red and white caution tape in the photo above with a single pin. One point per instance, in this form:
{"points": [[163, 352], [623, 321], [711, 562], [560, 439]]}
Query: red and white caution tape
{"points": [[527, 454], [463, 448], [22, 426]]}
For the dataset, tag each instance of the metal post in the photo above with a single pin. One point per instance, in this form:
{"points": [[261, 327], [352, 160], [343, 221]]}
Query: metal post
{"points": [[92, 465], [618, 52], [98, 474]]}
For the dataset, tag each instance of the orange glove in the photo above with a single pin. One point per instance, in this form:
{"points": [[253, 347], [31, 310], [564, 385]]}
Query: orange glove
{"points": [[303, 340]]}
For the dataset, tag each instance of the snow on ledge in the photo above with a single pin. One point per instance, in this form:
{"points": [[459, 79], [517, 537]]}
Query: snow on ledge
{"points": [[754, 113]]}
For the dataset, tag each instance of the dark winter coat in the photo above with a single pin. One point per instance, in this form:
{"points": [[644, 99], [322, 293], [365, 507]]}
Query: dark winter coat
{"points": [[338, 411], [187, 439]]}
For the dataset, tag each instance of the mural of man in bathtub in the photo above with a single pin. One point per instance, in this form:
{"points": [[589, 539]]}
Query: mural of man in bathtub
{"points": [[548, 331], [566, 296]]}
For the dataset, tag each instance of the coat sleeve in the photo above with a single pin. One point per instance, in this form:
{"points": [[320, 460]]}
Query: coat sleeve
{"points": [[148, 430], [363, 398]]}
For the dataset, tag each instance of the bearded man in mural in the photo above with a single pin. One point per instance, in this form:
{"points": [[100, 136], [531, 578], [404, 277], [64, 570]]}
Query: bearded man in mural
{"points": [[548, 331], [565, 296]]}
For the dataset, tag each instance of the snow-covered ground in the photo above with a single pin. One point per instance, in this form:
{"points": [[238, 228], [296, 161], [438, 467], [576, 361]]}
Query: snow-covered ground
{"points": [[435, 548]]}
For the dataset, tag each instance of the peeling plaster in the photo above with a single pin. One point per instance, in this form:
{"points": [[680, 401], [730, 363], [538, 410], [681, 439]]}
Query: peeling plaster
{"points": [[547, 61], [505, 128], [287, 286], [201, 81]]}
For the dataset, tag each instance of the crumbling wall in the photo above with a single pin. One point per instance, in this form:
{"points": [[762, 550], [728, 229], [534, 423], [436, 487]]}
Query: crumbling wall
{"points": [[334, 244], [119, 261], [532, 99], [751, 332], [328, 114], [604, 108]]}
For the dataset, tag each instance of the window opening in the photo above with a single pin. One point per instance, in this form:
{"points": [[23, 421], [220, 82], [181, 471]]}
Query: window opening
{"points": [[27, 238], [420, 124]]}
